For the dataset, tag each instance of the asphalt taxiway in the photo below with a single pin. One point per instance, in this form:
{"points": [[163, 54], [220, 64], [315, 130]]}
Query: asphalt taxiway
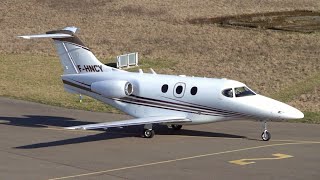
{"points": [[34, 145]]}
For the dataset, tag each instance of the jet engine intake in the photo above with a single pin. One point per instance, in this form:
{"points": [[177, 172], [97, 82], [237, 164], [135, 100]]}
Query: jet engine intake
{"points": [[112, 88]]}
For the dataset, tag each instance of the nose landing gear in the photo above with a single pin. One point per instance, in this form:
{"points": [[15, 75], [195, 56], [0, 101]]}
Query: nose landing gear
{"points": [[266, 136]]}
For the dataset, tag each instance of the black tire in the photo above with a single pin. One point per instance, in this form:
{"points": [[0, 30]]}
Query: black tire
{"points": [[148, 133], [176, 126], [265, 136]]}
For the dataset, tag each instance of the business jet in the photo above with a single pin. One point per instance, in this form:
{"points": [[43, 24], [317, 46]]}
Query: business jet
{"points": [[153, 98]]}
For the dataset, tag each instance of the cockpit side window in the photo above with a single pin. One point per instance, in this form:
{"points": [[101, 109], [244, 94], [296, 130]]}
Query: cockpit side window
{"points": [[228, 92], [243, 91]]}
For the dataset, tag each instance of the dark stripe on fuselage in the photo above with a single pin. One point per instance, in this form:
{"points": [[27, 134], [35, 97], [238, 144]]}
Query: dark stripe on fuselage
{"points": [[181, 106], [191, 105], [204, 107], [76, 85], [178, 109], [83, 83]]}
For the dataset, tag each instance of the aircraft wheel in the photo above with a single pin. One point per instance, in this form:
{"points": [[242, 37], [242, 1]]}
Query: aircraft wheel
{"points": [[265, 136], [176, 126], [148, 133]]}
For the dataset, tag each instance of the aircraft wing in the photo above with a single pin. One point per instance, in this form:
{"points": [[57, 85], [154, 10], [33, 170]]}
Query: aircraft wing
{"points": [[132, 122], [46, 36]]}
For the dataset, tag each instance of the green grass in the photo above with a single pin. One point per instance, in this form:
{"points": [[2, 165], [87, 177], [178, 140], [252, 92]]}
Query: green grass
{"points": [[309, 117], [145, 64], [297, 89], [37, 79]]}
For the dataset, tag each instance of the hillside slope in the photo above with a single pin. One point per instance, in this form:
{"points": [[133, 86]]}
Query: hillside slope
{"points": [[268, 61]]}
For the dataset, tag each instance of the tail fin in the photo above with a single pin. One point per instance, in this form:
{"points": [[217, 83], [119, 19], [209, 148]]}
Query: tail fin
{"points": [[75, 57]]}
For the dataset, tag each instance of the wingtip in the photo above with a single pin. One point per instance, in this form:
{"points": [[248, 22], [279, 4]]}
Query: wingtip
{"points": [[24, 37], [71, 28], [75, 128]]}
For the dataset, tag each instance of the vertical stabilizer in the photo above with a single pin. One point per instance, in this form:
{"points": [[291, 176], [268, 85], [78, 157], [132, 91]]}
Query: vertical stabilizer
{"points": [[75, 57]]}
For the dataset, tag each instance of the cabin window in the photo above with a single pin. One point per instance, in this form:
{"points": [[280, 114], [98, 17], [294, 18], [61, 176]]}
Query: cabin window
{"points": [[179, 89], [194, 90], [164, 88], [228, 92], [243, 91]]}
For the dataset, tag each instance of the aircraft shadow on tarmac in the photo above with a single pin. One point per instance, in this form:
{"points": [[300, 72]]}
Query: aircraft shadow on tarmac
{"points": [[112, 133], [42, 121]]}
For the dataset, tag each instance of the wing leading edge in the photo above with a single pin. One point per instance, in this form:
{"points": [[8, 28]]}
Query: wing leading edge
{"points": [[133, 122]]}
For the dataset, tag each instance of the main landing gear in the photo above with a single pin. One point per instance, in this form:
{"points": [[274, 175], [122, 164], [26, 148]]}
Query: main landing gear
{"points": [[148, 132], [265, 134]]}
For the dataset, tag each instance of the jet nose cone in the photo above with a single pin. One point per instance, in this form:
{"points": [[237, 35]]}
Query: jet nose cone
{"points": [[290, 113], [298, 114]]}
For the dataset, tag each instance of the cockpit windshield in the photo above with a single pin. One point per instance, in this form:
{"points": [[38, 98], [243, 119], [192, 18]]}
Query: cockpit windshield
{"points": [[228, 92], [238, 92], [243, 91]]}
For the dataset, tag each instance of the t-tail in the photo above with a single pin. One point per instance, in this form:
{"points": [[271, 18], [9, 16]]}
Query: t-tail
{"points": [[75, 57]]}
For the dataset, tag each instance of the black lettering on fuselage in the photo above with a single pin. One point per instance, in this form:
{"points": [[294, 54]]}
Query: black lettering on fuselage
{"points": [[91, 68], [100, 66], [95, 68], [79, 67], [86, 68]]}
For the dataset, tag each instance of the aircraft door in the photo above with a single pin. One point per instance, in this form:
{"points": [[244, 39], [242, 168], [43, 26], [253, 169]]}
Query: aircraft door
{"points": [[179, 89]]}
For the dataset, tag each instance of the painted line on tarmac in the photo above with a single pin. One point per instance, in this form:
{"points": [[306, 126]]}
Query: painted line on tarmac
{"points": [[290, 140], [248, 161], [183, 159]]}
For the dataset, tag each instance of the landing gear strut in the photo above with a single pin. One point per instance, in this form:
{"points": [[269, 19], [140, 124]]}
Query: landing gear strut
{"points": [[148, 131], [265, 134]]}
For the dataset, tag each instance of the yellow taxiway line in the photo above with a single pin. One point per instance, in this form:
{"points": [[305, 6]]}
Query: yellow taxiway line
{"points": [[185, 158], [253, 160]]}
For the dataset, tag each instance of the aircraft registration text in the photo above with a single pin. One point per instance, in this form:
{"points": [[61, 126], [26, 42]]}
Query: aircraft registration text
{"points": [[90, 68]]}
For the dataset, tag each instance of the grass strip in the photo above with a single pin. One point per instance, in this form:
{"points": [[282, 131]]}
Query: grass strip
{"points": [[297, 89]]}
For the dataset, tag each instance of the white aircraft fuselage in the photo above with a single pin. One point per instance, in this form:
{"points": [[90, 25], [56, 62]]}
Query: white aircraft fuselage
{"points": [[206, 106], [159, 99]]}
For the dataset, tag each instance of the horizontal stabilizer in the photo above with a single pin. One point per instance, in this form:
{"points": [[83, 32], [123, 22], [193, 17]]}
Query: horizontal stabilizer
{"points": [[56, 36], [75, 57], [132, 122]]}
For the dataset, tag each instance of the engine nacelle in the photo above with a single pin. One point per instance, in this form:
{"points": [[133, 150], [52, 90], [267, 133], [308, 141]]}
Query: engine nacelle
{"points": [[113, 88]]}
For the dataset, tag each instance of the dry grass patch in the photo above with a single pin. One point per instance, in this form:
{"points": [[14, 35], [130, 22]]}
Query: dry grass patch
{"points": [[268, 61], [297, 20], [37, 79]]}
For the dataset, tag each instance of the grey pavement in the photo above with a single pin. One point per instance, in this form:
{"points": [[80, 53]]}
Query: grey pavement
{"points": [[34, 145]]}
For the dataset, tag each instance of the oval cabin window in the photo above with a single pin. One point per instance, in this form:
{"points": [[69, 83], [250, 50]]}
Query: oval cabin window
{"points": [[194, 90], [164, 88], [179, 89]]}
